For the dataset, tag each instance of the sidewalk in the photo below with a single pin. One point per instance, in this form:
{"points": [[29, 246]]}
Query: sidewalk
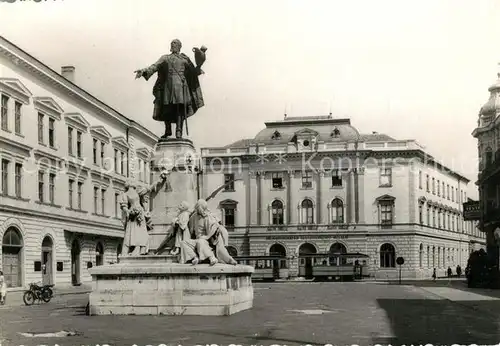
{"points": [[15, 297]]}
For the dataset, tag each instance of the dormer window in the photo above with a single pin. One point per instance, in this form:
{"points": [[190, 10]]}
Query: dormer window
{"points": [[276, 135], [335, 133]]}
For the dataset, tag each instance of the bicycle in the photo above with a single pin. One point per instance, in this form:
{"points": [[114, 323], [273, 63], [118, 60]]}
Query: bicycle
{"points": [[41, 293]]}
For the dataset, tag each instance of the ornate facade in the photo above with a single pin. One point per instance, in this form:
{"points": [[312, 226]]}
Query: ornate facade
{"points": [[315, 185], [488, 136], [65, 156]]}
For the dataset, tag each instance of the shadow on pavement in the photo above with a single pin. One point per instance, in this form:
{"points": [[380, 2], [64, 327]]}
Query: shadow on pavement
{"points": [[441, 322]]}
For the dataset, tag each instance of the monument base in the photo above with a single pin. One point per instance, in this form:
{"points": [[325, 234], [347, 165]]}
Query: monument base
{"points": [[154, 285]]}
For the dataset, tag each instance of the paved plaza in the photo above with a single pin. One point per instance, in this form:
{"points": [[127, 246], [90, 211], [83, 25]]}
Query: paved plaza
{"points": [[363, 313]]}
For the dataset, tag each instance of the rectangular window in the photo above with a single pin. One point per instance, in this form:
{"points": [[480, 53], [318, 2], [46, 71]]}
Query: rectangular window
{"points": [[277, 180], [229, 217], [386, 213], [79, 195], [96, 198], [117, 204], [122, 164], [420, 214], [103, 201], [336, 178], [52, 140], [79, 147], [452, 194], [17, 117], [40, 128], [420, 179], [427, 185], [41, 186], [386, 177], [306, 180], [5, 113], [139, 165], [448, 191], [433, 186], [443, 190], [428, 216], [52, 186], [71, 184], [229, 182], [438, 189], [18, 179], [5, 177], [145, 168], [433, 217], [117, 164], [70, 141], [94, 150], [103, 150]]}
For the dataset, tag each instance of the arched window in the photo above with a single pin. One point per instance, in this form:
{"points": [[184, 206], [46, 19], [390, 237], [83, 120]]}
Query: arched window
{"points": [[433, 257], [232, 251], [337, 209], [428, 257], [421, 255], [279, 251], [337, 249], [387, 256], [12, 245], [307, 211], [99, 254], [277, 217], [228, 208]]}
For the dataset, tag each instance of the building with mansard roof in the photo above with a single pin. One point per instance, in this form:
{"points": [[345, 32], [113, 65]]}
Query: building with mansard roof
{"points": [[65, 156], [317, 185]]}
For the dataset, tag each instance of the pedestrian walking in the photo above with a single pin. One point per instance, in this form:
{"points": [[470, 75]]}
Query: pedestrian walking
{"points": [[434, 275], [450, 272], [3, 289], [459, 270]]}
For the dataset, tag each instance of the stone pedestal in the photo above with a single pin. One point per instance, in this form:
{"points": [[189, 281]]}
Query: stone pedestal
{"points": [[154, 285], [177, 155]]}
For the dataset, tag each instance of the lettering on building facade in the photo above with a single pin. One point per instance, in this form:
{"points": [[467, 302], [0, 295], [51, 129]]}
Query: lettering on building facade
{"points": [[305, 237]]}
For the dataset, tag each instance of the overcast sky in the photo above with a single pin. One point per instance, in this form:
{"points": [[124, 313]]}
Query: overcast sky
{"points": [[411, 69]]}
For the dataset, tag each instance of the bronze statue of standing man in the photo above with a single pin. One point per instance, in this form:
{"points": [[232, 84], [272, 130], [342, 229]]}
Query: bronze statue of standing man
{"points": [[177, 89]]}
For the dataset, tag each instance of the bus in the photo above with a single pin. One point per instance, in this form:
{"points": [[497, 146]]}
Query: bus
{"points": [[267, 268], [334, 266]]}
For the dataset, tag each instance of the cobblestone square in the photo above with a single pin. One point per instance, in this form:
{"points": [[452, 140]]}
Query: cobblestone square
{"points": [[363, 313]]}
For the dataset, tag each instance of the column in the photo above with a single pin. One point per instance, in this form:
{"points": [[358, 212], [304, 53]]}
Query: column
{"points": [[352, 199], [288, 214], [253, 197], [360, 192], [319, 203], [248, 196], [259, 198]]}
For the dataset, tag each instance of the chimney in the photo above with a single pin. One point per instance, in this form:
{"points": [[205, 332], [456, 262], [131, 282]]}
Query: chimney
{"points": [[68, 72]]}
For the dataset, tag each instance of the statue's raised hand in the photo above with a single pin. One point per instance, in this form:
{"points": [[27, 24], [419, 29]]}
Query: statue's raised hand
{"points": [[138, 74]]}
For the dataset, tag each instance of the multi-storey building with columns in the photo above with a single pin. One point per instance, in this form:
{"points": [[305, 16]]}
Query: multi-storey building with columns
{"points": [[65, 157], [316, 185]]}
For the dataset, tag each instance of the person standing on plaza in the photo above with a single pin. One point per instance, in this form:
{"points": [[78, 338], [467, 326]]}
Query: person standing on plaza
{"points": [[434, 275], [459, 270], [3, 288]]}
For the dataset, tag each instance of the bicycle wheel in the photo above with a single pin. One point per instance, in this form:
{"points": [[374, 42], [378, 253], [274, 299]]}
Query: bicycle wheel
{"points": [[46, 295], [29, 298]]}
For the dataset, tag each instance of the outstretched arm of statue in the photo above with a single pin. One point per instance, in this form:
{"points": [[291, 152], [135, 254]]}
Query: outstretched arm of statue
{"points": [[149, 71], [156, 186]]}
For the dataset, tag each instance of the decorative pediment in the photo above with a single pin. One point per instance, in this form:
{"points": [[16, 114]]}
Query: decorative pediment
{"points": [[77, 121], [306, 133], [46, 159], [100, 133], [120, 142], [228, 203], [48, 106], [14, 88], [143, 153], [386, 198]]}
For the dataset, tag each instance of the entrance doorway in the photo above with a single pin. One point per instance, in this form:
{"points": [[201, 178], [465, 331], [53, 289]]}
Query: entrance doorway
{"points": [[99, 254], [75, 263], [47, 270], [306, 263], [279, 251], [12, 246]]}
